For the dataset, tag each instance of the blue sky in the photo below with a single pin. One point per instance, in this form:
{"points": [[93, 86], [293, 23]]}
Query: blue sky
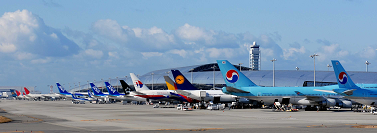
{"points": [[48, 41]]}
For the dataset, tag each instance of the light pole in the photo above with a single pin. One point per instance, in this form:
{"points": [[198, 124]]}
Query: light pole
{"points": [[273, 71], [79, 86], [88, 84], [328, 67], [240, 66], [214, 67], [367, 64], [102, 82], [152, 80], [117, 84], [313, 56]]}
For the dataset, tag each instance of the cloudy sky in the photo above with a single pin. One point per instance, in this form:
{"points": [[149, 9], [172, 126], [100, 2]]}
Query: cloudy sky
{"points": [[48, 41]]}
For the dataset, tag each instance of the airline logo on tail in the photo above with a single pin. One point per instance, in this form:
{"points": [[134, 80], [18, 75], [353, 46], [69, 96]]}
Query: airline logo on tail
{"points": [[342, 78], [95, 88], [139, 84], [232, 76], [61, 88], [179, 79], [111, 88]]}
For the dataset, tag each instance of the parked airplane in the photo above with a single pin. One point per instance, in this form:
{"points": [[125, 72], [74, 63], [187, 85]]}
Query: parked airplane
{"points": [[19, 96], [64, 93], [362, 93], [184, 94], [238, 84], [98, 93], [39, 96], [160, 95], [216, 96], [114, 94]]}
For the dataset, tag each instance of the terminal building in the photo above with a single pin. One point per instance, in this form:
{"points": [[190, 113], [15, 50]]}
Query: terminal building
{"points": [[207, 76]]}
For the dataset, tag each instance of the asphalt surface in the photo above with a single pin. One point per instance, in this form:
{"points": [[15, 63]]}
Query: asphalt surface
{"points": [[63, 116]]}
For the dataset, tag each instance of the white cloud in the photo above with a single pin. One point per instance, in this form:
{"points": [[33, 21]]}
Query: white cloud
{"points": [[7, 48], [192, 33], [40, 61], [53, 35], [94, 53], [24, 55], [181, 52], [151, 54], [293, 53], [113, 54], [111, 29], [24, 32]]}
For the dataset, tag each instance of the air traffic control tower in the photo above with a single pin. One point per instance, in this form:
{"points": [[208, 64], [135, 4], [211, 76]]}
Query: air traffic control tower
{"points": [[254, 57]]}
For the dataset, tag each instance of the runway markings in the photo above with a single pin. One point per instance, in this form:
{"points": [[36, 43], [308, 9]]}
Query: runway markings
{"points": [[23, 132], [200, 129], [109, 120], [365, 126], [88, 120]]}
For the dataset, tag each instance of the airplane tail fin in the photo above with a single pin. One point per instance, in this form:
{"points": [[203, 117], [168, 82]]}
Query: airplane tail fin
{"points": [[26, 91], [232, 76], [61, 88], [95, 89], [18, 93], [344, 80], [111, 89], [170, 83], [181, 81], [125, 86], [139, 86], [90, 94]]}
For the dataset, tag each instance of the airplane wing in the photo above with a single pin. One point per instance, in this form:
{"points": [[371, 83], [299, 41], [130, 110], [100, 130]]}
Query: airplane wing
{"points": [[188, 94], [235, 90], [311, 98], [349, 92]]}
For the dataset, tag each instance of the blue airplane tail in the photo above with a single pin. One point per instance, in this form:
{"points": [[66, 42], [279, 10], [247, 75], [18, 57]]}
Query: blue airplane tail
{"points": [[111, 89], [14, 94], [95, 89], [90, 94], [61, 89], [181, 81], [233, 77], [344, 80]]}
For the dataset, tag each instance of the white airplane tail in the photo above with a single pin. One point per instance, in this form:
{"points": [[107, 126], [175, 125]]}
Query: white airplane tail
{"points": [[139, 86]]}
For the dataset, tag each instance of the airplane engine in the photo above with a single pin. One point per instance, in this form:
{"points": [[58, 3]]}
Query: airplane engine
{"points": [[343, 103], [328, 102]]}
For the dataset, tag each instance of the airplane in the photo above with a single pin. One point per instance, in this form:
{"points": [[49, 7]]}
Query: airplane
{"points": [[185, 87], [19, 96], [38, 96], [362, 93], [82, 98], [184, 94], [238, 84], [114, 94], [64, 93], [160, 95], [97, 92]]}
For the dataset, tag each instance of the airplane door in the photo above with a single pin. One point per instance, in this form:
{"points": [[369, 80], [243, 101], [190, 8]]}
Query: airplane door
{"points": [[216, 99]]}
